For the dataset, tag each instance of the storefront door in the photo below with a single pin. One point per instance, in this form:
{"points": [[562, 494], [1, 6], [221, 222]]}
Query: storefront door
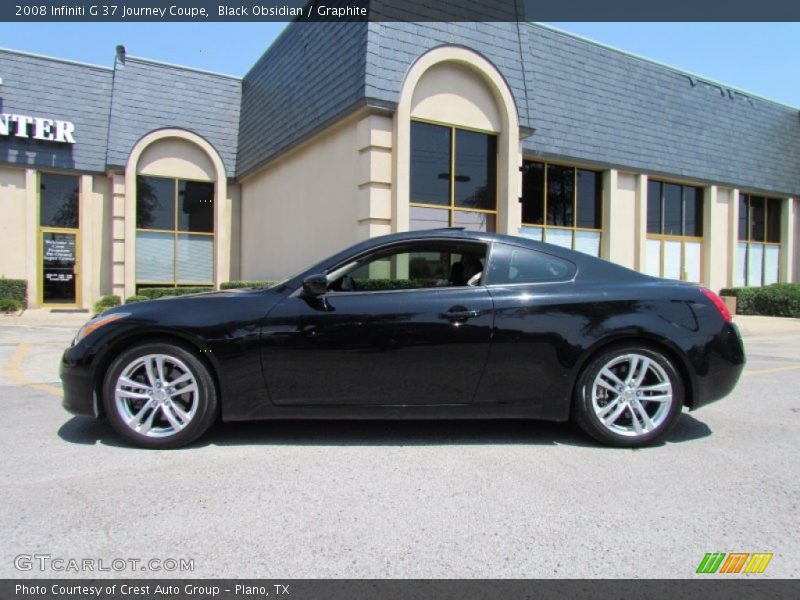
{"points": [[59, 240], [59, 267]]}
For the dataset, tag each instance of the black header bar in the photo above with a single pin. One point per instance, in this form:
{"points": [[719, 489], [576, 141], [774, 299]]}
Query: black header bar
{"points": [[396, 10]]}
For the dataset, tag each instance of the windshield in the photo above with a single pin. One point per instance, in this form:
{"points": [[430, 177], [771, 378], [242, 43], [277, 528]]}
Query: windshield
{"points": [[286, 280]]}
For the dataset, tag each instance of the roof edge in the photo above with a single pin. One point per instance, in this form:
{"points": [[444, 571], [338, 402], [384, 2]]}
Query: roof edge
{"points": [[690, 74], [56, 59], [161, 63], [366, 105]]}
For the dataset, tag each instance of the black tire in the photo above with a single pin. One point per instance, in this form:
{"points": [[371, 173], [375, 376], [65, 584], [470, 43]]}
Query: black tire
{"points": [[584, 407], [204, 414]]}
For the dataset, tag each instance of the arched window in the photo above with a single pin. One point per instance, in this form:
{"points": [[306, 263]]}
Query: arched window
{"points": [[453, 177], [174, 232]]}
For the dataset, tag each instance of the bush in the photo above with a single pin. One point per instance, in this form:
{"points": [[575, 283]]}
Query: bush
{"points": [[162, 292], [10, 305], [387, 284], [744, 298], [254, 283], [15, 289], [136, 298], [105, 302], [776, 300]]}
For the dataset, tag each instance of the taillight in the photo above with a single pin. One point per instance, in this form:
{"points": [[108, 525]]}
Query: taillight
{"points": [[717, 301]]}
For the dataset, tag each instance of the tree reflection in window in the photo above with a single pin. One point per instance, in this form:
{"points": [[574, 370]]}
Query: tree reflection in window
{"points": [[58, 200]]}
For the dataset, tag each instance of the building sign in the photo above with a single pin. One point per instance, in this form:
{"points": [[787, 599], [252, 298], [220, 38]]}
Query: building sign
{"points": [[37, 128], [59, 250]]}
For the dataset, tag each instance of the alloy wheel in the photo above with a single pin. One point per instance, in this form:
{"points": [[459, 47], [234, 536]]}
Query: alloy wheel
{"points": [[632, 395], [156, 395]]}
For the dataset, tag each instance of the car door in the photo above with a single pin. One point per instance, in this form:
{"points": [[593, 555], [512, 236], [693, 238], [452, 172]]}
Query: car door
{"points": [[408, 324], [539, 327]]}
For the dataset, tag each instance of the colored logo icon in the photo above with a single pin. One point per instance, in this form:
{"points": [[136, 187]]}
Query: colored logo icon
{"points": [[735, 562]]}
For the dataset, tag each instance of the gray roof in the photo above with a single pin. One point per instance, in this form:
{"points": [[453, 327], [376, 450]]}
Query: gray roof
{"points": [[589, 102], [149, 95], [56, 89], [309, 76], [113, 108], [593, 104], [586, 102]]}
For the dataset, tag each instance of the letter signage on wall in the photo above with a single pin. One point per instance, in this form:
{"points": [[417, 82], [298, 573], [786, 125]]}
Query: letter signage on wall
{"points": [[37, 128]]}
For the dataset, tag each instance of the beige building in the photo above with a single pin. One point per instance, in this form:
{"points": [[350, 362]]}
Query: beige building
{"points": [[150, 175]]}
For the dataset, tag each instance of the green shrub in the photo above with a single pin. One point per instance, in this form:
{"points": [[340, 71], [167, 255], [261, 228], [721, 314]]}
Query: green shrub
{"points": [[387, 284], [776, 300], [162, 292], [16, 289], [744, 298], [105, 302], [136, 298], [10, 305], [254, 283]]}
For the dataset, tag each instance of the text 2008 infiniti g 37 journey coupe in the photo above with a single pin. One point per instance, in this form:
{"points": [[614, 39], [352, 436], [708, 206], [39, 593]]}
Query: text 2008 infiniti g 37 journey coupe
{"points": [[435, 324]]}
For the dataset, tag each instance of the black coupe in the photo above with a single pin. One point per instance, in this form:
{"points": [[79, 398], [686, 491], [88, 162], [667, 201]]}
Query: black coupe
{"points": [[434, 324]]}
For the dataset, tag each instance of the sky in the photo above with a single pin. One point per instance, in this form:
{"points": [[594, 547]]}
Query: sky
{"points": [[760, 58]]}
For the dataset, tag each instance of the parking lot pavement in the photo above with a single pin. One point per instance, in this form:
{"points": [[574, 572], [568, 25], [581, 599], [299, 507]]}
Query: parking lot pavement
{"points": [[403, 499]]}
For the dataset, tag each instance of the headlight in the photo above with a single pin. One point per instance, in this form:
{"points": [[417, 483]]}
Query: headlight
{"points": [[97, 323]]}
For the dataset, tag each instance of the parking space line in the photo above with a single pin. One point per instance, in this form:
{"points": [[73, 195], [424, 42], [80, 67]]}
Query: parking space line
{"points": [[12, 370], [772, 370]]}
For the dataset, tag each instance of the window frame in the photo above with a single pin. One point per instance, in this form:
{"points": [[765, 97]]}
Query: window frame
{"points": [[544, 226], [176, 232], [42, 230], [746, 196], [663, 238], [451, 208], [492, 256], [487, 246]]}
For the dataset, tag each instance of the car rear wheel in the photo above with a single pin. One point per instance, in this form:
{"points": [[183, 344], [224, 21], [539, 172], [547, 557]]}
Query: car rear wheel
{"points": [[629, 396], [159, 395]]}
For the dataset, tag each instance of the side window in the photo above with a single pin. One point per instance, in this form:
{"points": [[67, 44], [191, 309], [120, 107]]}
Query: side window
{"points": [[514, 264], [413, 266]]}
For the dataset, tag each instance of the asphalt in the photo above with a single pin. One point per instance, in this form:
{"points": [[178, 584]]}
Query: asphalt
{"points": [[401, 499]]}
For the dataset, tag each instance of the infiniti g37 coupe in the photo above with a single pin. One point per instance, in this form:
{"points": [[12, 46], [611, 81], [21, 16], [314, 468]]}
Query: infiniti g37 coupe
{"points": [[436, 324]]}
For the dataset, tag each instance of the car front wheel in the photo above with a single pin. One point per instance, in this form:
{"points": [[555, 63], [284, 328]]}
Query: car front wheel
{"points": [[159, 395], [629, 396]]}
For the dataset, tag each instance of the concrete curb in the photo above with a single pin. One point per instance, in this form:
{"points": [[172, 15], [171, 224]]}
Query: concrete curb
{"points": [[43, 317], [767, 326]]}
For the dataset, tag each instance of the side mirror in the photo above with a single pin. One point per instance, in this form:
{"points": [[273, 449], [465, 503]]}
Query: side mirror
{"points": [[315, 285]]}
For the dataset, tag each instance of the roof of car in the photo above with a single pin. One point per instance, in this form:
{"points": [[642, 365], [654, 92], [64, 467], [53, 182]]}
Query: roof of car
{"points": [[457, 233], [589, 267]]}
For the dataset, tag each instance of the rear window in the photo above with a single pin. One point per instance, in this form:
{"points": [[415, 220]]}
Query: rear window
{"points": [[514, 264]]}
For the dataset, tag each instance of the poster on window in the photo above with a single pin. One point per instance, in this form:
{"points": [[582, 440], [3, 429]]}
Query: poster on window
{"points": [[58, 267], [59, 250]]}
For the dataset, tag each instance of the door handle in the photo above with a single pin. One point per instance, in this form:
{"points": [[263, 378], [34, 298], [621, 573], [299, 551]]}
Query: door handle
{"points": [[459, 314]]}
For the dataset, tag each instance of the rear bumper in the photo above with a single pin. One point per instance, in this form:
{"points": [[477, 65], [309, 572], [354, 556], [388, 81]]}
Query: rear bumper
{"points": [[79, 396], [718, 364]]}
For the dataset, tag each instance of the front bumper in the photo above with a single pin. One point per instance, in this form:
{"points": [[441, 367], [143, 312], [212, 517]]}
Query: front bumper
{"points": [[79, 393]]}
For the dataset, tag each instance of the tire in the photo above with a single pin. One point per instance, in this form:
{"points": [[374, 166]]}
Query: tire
{"points": [[159, 395], [624, 409]]}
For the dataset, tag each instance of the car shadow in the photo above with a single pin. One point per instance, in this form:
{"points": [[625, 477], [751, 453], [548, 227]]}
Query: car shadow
{"points": [[82, 430]]}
